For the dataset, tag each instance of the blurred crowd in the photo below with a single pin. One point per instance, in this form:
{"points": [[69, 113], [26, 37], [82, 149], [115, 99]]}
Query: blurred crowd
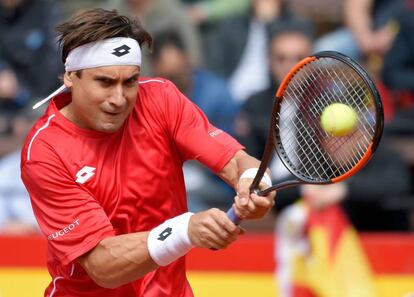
{"points": [[229, 57]]}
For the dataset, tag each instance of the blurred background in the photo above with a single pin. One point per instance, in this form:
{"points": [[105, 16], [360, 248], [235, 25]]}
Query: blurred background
{"points": [[229, 56]]}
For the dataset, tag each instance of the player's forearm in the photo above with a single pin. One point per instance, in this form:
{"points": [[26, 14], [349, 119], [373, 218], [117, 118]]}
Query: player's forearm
{"points": [[118, 260], [236, 166]]}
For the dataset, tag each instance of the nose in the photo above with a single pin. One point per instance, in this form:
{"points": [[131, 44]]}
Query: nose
{"points": [[117, 97]]}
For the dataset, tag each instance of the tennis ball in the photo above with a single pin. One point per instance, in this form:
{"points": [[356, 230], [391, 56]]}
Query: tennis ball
{"points": [[338, 119]]}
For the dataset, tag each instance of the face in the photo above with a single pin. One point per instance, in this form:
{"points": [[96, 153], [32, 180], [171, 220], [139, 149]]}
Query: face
{"points": [[286, 50], [266, 10], [102, 97], [174, 65]]}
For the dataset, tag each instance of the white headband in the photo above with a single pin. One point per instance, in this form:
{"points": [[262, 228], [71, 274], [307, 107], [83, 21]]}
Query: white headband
{"points": [[117, 51]]}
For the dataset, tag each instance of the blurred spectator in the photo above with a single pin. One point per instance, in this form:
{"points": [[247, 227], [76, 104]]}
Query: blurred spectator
{"points": [[289, 43], [398, 69], [370, 28], [203, 11], [159, 16], [29, 67], [385, 178], [28, 53], [238, 47], [398, 73], [16, 215], [209, 92]]}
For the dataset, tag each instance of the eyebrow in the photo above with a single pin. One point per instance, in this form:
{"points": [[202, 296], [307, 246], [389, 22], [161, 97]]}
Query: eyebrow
{"points": [[133, 76], [108, 77]]}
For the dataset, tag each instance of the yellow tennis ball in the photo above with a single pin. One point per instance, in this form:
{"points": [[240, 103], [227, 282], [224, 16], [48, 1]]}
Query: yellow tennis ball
{"points": [[338, 119]]}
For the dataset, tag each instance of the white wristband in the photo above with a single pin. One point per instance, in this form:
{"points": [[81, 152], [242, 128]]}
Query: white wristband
{"points": [[251, 173], [169, 241]]}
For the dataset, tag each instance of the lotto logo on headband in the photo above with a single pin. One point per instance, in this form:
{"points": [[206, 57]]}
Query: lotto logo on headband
{"points": [[121, 50]]}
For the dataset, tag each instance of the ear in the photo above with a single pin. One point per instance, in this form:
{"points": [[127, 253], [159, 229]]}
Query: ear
{"points": [[67, 78]]}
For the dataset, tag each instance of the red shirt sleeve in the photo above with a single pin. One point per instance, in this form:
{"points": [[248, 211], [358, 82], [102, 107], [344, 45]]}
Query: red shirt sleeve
{"points": [[70, 218], [194, 135]]}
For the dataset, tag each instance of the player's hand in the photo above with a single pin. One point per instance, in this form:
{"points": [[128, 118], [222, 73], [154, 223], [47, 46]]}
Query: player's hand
{"points": [[212, 229], [252, 206]]}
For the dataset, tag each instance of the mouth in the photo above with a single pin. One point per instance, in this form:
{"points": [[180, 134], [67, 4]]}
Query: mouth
{"points": [[111, 113]]}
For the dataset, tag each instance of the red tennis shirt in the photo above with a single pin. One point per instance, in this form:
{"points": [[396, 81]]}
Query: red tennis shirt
{"points": [[87, 185]]}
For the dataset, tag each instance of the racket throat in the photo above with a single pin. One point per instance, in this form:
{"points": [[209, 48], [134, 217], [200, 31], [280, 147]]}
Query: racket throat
{"points": [[280, 186]]}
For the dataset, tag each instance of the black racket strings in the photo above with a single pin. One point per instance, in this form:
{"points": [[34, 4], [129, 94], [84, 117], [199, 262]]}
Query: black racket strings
{"points": [[307, 148]]}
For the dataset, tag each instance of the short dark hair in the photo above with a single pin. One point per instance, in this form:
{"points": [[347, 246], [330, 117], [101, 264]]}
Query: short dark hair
{"points": [[98, 24], [295, 26], [164, 39]]}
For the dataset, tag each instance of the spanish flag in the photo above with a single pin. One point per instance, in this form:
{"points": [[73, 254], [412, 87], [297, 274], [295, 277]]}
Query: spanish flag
{"points": [[319, 255]]}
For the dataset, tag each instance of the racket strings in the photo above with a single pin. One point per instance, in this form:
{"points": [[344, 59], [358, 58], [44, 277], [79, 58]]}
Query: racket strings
{"points": [[352, 94], [306, 150], [309, 150], [354, 97], [335, 89]]}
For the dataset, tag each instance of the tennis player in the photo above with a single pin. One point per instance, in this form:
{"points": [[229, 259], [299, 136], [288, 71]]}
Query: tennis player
{"points": [[103, 167]]}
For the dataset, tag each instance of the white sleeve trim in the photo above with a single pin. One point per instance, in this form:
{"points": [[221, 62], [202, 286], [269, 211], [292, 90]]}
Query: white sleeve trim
{"points": [[37, 133], [151, 80]]}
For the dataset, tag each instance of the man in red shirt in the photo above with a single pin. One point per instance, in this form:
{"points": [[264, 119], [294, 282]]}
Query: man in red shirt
{"points": [[103, 167]]}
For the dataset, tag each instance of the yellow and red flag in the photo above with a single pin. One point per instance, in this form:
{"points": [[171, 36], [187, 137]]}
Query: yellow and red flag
{"points": [[319, 255]]}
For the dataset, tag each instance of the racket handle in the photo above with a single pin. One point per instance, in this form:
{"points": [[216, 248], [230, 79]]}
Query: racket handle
{"points": [[232, 216]]}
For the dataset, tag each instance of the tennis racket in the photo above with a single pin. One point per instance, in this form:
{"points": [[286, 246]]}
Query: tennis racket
{"points": [[312, 155]]}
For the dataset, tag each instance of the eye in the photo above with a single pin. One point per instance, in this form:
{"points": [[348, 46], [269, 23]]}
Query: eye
{"points": [[131, 82], [104, 82]]}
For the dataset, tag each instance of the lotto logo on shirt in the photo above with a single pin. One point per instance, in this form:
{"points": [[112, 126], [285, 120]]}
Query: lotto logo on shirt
{"points": [[64, 231], [85, 174]]}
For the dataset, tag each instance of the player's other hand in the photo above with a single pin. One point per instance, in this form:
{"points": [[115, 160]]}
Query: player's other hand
{"points": [[252, 206], [212, 229]]}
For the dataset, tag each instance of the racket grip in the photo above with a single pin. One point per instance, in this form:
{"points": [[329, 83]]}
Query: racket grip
{"points": [[232, 216]]}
